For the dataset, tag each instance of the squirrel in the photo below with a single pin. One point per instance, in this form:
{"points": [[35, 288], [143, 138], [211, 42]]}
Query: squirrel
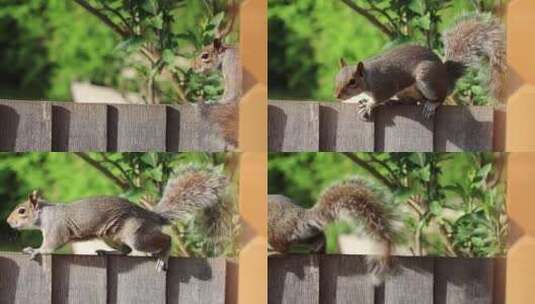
{"points": [[354, 198], [122, 225], [220, 56], [416, 73]]}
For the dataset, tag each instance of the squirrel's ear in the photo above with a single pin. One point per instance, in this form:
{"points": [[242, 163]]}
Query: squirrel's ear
{"points": [[360, 69], [342, 62], [217, 44], [34, 198]]}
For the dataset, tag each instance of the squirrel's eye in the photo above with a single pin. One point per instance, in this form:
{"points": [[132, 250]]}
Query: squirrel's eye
{"points": [[352, 82], [22, 210], [205, 56]]}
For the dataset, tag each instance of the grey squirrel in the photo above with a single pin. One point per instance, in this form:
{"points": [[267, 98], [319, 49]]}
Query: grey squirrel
{"points": [[357, 199], [121, 224], [416, 73], [220, 56]]}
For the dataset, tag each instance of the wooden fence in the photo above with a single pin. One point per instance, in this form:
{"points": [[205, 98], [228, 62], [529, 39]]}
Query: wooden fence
{"points": [[314, 126], [47, 126], [114, 279], [418, 280]]}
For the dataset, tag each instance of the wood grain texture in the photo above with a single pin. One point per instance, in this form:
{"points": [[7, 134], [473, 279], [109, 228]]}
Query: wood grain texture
{"points": [[79, 127], [188, 130], [133, 280], [463, 129], [342, 130], [79, 279], [293, 126], [293, 280], [412, 284], [345, 279], [464, 281], [400, 128], [196, 280], [23, 281], [25, 126], [136, 128]]}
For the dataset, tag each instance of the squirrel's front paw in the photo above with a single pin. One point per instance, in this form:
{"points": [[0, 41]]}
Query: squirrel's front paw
{"points": [[32, 252], [365, 109], [429, 109], [28, 250], [161, 265]]}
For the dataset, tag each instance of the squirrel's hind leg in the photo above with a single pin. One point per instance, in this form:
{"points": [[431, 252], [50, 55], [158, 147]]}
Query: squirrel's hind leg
{"points": [[431, 82], [155, 242]]}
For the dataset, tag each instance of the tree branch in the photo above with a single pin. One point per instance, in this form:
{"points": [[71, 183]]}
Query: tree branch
{"points": [[105, 171], [370, 169], [416, 206], [373, 20], [384, 165], [116, 28]]}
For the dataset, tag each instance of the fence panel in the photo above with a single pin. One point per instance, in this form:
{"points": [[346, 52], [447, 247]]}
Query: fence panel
{"points": [[402, 129], [25, 126], [79, 127], [189, 280], [414, 280], [88, 279], [293, 126], [46, 126], [345, 279], [293, 280], [79, 279], [394, 128], [412, 284], [463, 281], [464, 129], [136, 128], [342, 130], [23, 281], [135, 280], [190, 131]]}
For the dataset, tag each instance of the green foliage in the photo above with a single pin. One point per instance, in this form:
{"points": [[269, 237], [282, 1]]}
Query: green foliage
{"points": [[65, 177], [454, 201], [308, 37], [44, 45], [133, 46]]}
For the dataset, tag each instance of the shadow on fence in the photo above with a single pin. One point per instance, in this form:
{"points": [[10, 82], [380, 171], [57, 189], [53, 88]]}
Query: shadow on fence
{"points": [[313, 126], [113, 279], [47, 126], [418, 280]]}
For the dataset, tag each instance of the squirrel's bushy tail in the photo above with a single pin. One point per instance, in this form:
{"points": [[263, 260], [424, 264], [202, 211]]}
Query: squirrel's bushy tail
{"points": [[196, 190], [367, 204], [473, 39]]}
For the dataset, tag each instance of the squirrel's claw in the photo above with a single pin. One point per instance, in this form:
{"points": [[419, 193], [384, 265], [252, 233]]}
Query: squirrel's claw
{"points": [[429, 109], [365, 108], [32, 252], [161, 265]]}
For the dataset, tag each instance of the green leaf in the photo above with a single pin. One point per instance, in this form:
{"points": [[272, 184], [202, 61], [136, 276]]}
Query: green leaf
{"points": [[130, 44], [150, 159], [168, 57], [435, 208]]}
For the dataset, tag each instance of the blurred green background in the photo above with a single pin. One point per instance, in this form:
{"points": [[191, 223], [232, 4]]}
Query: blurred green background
{"points": [[462, 193], [308, 37], [66, 177], [46, 45]]}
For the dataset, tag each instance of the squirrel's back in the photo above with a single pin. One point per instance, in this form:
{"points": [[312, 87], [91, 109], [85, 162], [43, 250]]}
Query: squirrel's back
{"points": [[99, 216]]}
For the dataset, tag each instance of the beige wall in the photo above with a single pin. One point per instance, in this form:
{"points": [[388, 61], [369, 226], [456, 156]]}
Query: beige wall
{"points": [[252, 287]]}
